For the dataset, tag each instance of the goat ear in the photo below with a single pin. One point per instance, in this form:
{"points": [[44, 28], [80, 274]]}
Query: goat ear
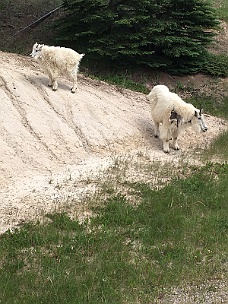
{"points": [[196, 114]]}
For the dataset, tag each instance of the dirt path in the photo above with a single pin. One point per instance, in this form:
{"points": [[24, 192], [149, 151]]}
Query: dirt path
{"points": [[48, 138]]}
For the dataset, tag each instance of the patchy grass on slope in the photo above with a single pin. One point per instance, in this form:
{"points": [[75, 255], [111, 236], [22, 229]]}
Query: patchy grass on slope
{"points": [[127, 253], [222, 9], [219, 147]]}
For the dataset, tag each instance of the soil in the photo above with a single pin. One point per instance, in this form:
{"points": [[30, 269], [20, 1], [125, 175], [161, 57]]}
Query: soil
{"points": [[52, 141]]}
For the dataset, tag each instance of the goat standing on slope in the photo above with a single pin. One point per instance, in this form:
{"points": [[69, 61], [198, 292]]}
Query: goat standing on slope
{"points": [[174, 115], [57, 61]]}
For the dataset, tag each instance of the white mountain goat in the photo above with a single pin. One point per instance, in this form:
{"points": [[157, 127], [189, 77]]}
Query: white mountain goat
{"points": [[171, 115], [58, 61]]}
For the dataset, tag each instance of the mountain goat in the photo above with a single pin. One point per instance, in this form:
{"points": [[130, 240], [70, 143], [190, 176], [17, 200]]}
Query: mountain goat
{"points": [[57, 61], [171, 115]]}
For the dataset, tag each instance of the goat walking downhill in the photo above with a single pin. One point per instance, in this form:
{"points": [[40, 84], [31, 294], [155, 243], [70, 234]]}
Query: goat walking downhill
{"points": [[171, 115], [58, 61]]}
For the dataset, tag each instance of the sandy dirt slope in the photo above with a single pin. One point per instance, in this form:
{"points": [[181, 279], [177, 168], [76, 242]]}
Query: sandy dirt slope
{"points": [[48, 136]]}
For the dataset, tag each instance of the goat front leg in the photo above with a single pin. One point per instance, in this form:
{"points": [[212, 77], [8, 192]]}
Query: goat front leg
{"points": [[175, 144], [166, 146], [50, 83], [175, 134], [54, 85], [52, 79]]}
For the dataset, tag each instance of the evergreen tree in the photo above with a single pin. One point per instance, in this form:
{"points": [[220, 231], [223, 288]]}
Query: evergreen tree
{"points": [[170, 34]]}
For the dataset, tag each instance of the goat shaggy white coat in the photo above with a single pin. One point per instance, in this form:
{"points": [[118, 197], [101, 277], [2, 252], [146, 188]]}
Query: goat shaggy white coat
{"points": [[171, 115], [58, 61]]}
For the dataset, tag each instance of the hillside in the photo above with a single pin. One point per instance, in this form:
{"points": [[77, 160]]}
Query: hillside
{"points": [[51, 138]]}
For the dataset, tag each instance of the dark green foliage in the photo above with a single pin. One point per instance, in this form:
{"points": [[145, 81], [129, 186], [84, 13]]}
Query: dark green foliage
{"points": [[216, 65], [170, 34]]}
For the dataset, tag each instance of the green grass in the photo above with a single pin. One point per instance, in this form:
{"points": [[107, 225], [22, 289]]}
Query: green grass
{"points": [[219, 147], [214, 105], [222, 9], [126, 254], [118, 77], [123, 82]]}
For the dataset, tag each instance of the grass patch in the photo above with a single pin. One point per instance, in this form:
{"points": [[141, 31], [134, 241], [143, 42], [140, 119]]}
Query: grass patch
{"points": [[222, 9], [219, 147], [123, 82], [128, 253], [216, 65], [113, 75], [214, 105]]}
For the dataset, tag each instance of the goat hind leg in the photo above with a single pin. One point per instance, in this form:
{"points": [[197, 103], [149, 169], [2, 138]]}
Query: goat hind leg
{"points": [[165, 137], [156, 129], [75, 82]]}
